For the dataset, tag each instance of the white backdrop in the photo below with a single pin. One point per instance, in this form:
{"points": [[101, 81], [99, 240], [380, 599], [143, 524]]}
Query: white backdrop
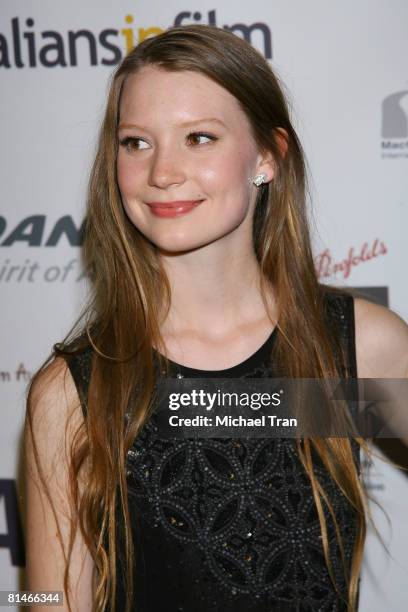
{"points": [[347, 80]]}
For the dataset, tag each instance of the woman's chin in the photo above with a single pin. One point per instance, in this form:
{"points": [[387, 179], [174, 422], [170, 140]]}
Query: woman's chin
{"points": [[173, 245], [166, 248]]}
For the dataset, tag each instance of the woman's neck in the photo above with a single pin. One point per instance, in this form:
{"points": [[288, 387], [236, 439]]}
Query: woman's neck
{"points": [[215, 292]]}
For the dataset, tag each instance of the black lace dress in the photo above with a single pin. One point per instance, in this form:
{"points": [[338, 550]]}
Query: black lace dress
{"points": [[230, 525]]}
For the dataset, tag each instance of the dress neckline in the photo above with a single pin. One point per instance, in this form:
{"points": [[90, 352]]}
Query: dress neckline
{"points": [[259, 356]]}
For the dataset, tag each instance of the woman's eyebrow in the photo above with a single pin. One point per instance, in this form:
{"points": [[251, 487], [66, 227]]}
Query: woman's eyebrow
{"points": [[183, 124]]}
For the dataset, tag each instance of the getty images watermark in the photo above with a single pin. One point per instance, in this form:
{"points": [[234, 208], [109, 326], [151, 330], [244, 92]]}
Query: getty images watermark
{"points": [[281, 407], [210, 401]]}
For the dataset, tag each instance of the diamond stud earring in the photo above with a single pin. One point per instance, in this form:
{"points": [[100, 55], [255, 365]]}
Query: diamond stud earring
{"points": [[259, 179]]}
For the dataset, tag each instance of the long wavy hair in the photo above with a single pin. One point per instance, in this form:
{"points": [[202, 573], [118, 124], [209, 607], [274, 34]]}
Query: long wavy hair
{"points": [[121, 318]]}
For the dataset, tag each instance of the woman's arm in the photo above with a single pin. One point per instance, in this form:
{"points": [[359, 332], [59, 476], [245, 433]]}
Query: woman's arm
{"points": [[382, 353], [381, 341], [54, 398]]}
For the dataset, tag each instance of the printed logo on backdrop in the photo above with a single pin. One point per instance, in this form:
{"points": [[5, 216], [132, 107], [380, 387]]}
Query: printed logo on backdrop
{"points": [[379, 295], [394, 130], [37, 231], [327, 265], [24, 45], [12, 538]]}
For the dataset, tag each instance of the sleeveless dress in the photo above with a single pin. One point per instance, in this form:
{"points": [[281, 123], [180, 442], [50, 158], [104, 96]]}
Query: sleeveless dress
{"points": [[230, 525]]}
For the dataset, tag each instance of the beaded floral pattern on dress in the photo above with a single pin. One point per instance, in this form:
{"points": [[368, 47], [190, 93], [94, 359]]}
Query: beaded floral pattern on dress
{"points": [[247, 505]]}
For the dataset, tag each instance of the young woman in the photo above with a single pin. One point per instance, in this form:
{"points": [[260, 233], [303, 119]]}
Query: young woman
{"points": [[198, 238]]}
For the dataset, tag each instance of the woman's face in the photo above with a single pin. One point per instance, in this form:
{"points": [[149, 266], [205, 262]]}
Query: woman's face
{"points": [[185, 141]]}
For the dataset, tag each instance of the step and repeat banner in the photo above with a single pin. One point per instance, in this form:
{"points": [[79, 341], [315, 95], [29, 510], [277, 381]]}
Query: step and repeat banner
{"points": [[345, 70]]}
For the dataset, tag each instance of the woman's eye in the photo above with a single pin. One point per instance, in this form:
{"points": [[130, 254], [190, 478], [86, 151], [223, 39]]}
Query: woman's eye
{"points": [[196, 137], [133, 144]]}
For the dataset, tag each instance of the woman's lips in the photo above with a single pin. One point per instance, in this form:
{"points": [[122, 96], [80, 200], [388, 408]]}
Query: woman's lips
{"points": [[174, 208]]}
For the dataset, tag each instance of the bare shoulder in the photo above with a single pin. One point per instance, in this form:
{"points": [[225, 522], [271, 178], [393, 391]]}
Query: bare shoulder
{"points": [[53, 383], [381, 341], [53, 406]]}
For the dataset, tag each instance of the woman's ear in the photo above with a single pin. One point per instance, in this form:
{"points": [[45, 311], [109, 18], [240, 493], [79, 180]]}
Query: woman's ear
{"points": [[268, 164], [282, 139]]}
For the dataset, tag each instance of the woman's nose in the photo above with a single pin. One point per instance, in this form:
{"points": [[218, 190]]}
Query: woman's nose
{"points": [[166, 169]]}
